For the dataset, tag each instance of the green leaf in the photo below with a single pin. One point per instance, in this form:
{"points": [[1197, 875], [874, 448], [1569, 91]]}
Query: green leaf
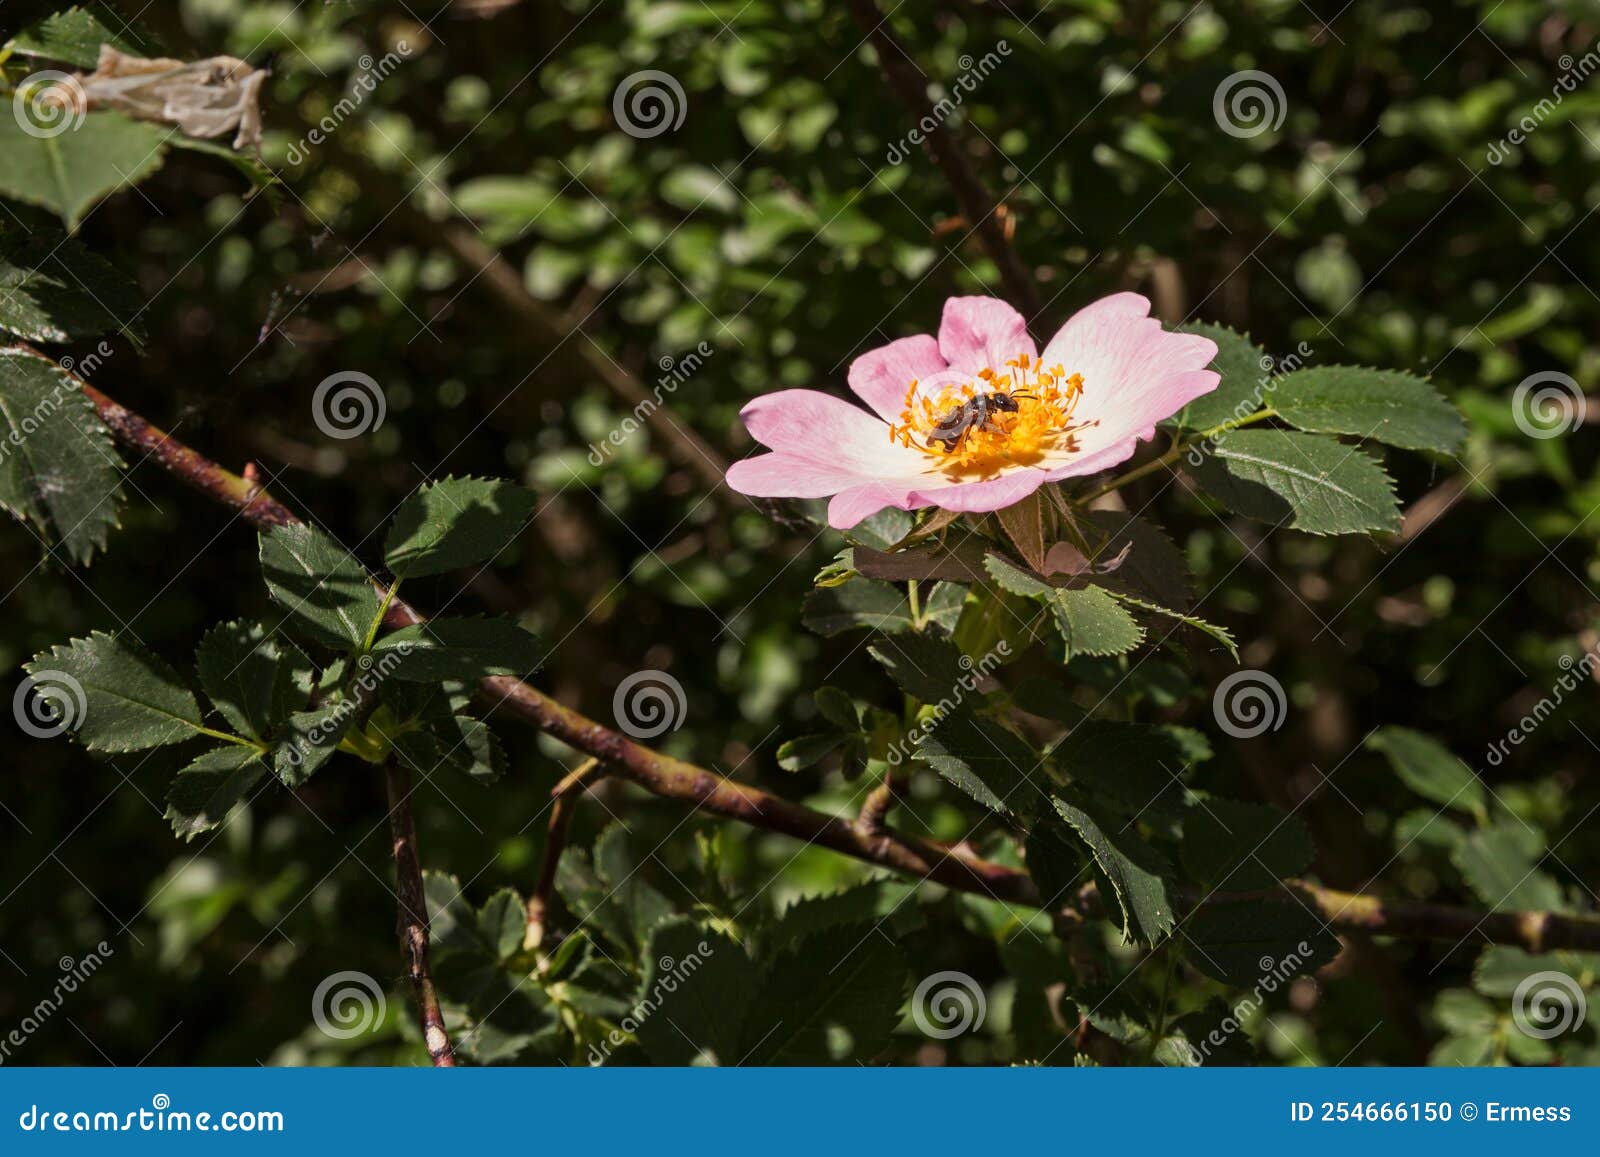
{"points": [[75, 36], [1133, 764], [455, 523], [611, 891], [465, 649], [58, 465], [1462, 1012], [1501, 968], [501, 922], [1135, 871], [806, 750], [249, 676], [865, 903], [1305, 481], [52, 289], [324, 589], [990, 763], [1391, 407], [1500, 864], [1244, 368], [1241, 847], [203, 793], [1205, 627], [848, 976], [927, 668], [119, 697], [1428, 768], [857, 604], [310, 740], [693, 998], [69, 172], [1090, 620], [1153, 567], [456, 743], [1245, 941]]}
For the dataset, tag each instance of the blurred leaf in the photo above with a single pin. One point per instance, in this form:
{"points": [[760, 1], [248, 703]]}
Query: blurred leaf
{"points": [[1428, 768]]}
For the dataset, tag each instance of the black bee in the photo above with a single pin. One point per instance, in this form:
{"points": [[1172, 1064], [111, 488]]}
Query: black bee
{"points": [[976, 413]]}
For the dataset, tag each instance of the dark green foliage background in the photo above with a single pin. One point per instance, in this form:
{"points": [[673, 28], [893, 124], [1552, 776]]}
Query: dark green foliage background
{"points": [[1371, 227]]}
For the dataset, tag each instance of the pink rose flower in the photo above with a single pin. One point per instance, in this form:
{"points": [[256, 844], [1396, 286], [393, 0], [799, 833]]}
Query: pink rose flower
{"points": [[977, 419]]}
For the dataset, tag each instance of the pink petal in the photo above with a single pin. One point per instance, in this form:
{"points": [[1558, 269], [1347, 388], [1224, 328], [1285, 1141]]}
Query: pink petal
{"points": [[1135, 373], [880, 377], [824, 429], [979, 332], [785, 475], [851, 506]]}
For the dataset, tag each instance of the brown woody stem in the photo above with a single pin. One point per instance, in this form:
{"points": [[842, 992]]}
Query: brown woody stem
{"points": [[412, 924], [563, 800], [954, 867]]}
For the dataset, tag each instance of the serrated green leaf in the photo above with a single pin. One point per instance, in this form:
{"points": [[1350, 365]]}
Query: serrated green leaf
{"points": [[1244, 368], [129, 700], [927, 668], [1131, 764], [695, 993], [1204, 626], [1153, 567], [465, 649], [991, 764], [203, 793], [455, 523], [847, 976], [309, 740], [857, 604], [1428, 768], [1462, 1012], [1135, 871], [58, 464], [1307, 482], [75, 36], [53, 289], [70, 171], [323, 589], [1240, 847], [501, 922], [249, 676], [865, 903], [1242, 942], [1391, 407], [1501, 865], [458, 744], [1089, 620]]}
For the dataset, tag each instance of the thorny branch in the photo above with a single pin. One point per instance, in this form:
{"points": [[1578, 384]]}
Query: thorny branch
{"points": [[952, 866]]}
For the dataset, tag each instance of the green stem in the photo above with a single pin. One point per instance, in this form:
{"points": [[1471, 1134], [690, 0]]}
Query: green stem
{"points": [[916, 604], [377, 620], [1161, 1012], [1176, 452], [229, 737]]}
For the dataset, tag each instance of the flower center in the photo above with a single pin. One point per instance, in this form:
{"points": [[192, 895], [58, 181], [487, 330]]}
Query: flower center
{"points": [[1010, 418]]}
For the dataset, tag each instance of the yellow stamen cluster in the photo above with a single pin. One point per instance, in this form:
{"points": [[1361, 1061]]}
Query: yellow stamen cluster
{"points": [[1045, 400]]}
